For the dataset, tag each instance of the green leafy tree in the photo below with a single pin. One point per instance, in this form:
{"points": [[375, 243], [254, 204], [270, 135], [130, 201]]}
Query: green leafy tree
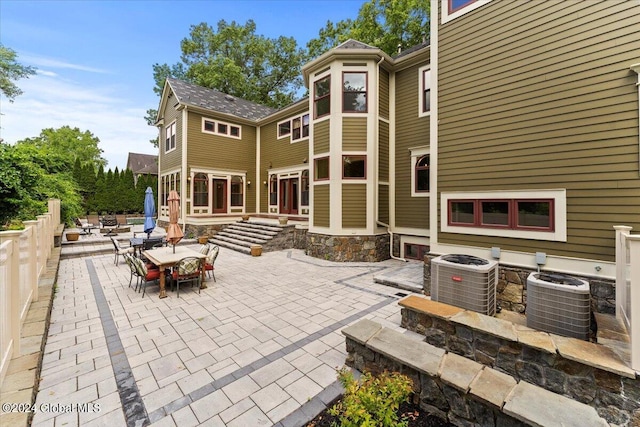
{"points": [[69, 144], [10, 71], [29, 177], [386, 24], [235, 60]]}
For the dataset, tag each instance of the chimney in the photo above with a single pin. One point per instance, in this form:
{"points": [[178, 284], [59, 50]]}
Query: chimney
{"points": [[399, 47]]}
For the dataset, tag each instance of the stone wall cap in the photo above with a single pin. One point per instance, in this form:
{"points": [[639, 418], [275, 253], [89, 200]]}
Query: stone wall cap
{"points": [[362, 331], [539, 407], [592, 354], [432, 308], [492, 386], [418, 355], [458, 371], [492, 326], [536, 339]]}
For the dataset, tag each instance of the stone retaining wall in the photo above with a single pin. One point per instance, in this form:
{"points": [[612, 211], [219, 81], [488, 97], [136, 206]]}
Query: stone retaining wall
{"points": [[512, 289], [283, 240], [348, 248], [583, 371], [457, 389]]}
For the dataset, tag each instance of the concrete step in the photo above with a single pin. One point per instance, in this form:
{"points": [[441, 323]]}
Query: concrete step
{"points": [[258, 226], [232, 246], [258, 234], [241, 236]]}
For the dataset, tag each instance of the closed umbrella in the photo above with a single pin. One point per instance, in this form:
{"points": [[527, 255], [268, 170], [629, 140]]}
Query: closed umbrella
{"points": [[149, 212], [174, 233]]}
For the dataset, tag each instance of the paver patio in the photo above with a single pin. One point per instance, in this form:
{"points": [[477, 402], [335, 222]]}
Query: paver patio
{"points": [[258, 347]]}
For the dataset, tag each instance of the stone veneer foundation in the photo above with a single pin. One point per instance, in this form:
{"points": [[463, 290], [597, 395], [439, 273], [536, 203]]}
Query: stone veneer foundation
{"points": [[512, 289], [371, 248]]}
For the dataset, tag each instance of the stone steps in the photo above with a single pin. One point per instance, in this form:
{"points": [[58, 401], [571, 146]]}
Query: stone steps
{"points": [[241, 235]]}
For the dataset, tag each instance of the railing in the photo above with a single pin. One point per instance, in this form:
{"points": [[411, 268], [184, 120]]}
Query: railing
{"points": [[628, 287], [23, 258]]}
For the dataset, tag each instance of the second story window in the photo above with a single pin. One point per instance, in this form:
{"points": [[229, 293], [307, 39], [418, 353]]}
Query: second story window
{"points": [[424, 108], [170, 139], [296, 128], [322, 97], [354, 92], [220, 128]]}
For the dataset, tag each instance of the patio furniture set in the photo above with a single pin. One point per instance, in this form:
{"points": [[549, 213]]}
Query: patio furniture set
{"points": [[151, 260]]}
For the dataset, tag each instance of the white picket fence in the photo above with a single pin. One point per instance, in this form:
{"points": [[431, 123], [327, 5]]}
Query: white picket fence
{"points": [[23, 258], [628, 287]]}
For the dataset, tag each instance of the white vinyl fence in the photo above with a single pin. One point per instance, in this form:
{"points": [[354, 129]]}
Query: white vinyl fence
{"points": [[23, 258], [628, 287]]}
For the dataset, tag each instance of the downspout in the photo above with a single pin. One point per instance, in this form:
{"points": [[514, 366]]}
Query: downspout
{"points": [[390, 241]]}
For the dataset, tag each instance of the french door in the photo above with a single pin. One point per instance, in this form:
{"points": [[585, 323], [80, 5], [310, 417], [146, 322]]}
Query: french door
{"points": [[219, 195], [289, 196]]}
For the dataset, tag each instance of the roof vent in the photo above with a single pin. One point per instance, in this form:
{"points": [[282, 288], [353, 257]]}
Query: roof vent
{"points": [[229, 98]]}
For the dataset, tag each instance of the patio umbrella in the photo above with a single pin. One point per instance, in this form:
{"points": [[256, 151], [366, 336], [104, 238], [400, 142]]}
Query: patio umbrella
{"points": [[174, 233], [149, 212]]}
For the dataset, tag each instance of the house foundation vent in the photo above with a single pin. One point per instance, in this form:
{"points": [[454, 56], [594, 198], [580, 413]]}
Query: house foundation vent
{"points": [[465, 281], [558, 304]]}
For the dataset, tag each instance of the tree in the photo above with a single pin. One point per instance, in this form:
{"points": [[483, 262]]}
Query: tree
{"points": [[385, 24], [235, 60], [29, 177], [70, 144], [10, 71]]}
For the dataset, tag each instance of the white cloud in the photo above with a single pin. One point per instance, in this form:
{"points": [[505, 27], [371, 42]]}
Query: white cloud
{"points": [[41, 61], [49, 101]]}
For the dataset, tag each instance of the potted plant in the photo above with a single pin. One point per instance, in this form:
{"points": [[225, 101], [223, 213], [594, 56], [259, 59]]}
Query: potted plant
{"points": [[203, 239], [245, 217], [72, 235]]}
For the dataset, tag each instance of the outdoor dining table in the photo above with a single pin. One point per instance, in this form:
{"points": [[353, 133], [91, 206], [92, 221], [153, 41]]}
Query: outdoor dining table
{"points": [[165, 257]]}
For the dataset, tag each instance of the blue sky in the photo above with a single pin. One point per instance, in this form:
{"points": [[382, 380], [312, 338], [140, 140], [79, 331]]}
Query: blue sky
{"points": [[94, 58]]}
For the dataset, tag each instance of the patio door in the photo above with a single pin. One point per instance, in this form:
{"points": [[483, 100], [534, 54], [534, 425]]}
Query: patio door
{"points": [[219, 196], [289, 196]]}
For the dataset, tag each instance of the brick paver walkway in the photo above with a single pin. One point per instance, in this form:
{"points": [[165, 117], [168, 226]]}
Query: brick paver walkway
{"points": [[258, 347]]}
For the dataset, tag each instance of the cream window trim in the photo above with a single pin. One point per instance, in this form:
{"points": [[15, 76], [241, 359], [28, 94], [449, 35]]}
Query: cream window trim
{"points": [[217, 123], [173, 127], [422, 78], [446, 16], [416, 153], [559, 196]]}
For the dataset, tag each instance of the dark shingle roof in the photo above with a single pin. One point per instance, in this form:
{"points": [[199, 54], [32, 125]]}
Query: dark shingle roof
{"points": [[211, 99], [411, 49], [143, 163], [354, 44]]}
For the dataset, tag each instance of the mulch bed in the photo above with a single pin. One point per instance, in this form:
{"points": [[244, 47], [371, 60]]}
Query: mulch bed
{"points": [[416, 416]]}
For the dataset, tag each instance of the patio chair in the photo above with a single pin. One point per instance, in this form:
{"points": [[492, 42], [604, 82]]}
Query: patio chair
{"points": [[121, 220], [82, 227], [145, 275], [118, 250], [204, 249], [128, 258], [94, 220], [187, 270], [209, 262]]}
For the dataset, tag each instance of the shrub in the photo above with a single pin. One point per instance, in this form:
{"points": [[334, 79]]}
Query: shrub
{"points": [[372, 401]]}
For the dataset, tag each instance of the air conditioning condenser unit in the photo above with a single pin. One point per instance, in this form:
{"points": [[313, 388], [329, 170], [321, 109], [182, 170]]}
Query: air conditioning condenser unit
{"points": [[465, 281], [559, 304]]}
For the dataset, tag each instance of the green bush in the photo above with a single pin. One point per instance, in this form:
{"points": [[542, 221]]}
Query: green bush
{"points": [[372, 401]]}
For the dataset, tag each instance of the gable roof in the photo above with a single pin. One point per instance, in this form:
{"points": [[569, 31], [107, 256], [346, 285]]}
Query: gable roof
{"points": [[211, 99], [354, 44], [142, 163]]}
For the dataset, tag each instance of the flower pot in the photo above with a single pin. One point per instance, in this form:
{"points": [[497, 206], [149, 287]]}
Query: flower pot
{"points": [[72, 236], [245, 217], [283, 220], [203, 239], [256, 250]]}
